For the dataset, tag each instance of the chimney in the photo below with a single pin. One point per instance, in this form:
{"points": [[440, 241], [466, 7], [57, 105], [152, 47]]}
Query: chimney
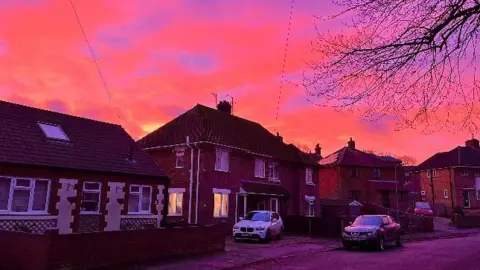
{"points": [[279, 137], [473, 143], [351, 144], [224, 106], [318, 150]]}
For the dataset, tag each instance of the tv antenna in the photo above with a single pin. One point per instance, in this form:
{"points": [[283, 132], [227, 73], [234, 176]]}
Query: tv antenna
{"points": [[231, 100], [216, 98]]}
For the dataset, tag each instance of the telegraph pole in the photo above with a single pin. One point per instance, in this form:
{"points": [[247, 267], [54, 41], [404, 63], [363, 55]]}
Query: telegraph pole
{"points": [[431, 185]]}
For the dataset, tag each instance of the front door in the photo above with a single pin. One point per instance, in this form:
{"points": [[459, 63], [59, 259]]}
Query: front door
{"points": [[261, 205], [385, 199], [274, 205], [466, 199]]}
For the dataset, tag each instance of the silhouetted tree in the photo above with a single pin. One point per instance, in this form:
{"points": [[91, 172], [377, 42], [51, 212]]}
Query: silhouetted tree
{"points": [[414, 61]]}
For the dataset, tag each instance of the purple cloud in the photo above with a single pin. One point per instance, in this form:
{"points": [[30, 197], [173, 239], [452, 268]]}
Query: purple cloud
{"points": [[58, 106]]}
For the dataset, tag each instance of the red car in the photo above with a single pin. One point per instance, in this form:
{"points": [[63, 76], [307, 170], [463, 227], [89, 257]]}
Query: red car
{"points": [[422, 208]]}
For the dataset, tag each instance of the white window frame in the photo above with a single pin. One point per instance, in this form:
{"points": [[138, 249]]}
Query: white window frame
{"points": [[465, 172], [140, 193], [272, 167], [179, 153], [222, 192], [310, 200], [175, 191], [224, 165], [309, 177], [445, 194], [60, 129], [31, 188], [257, 162], [434, 173], [93, 191]]}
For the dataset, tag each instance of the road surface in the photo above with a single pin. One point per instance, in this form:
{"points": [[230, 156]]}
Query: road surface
{"points": [[441, 254]]}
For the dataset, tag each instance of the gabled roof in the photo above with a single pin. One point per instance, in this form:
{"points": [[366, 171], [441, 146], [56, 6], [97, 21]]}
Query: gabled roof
{"points": [[205, 124], [347, 156], [458, 156], [92, 145]]}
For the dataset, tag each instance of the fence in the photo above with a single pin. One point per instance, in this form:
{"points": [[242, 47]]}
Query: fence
{"points": [[20, 250]]}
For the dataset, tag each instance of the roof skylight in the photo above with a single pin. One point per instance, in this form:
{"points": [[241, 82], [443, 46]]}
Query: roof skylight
{"points": [[53, 131]]}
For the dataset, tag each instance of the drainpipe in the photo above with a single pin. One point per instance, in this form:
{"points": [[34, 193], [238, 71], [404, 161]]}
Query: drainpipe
{"points": [[198, 183], [191, 181]]}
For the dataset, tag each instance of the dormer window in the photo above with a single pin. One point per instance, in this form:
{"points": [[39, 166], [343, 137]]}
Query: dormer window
{"points": [[53, 131]]}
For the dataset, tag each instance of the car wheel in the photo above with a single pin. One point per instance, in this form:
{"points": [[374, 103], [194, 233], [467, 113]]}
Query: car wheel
{"points": [[280, 235], [399, 241], [381, 244], [268, 236]]}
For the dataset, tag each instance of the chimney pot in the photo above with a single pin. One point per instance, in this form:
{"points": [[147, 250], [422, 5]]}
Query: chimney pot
{"points": [[351, 144], [473, 143], [318, 150], [224, 106], [279, 137]]}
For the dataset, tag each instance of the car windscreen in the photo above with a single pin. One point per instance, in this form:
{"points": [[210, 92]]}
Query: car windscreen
{"points": [[258, 216], [422, 206], [367, 221]]}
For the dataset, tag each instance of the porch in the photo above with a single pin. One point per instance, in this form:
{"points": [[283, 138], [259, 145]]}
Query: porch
{"points": [[260, 196]]}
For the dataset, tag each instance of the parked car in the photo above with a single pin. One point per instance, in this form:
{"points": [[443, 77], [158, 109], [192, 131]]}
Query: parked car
{"points": [[376, 230], [421, 208], [259, 225]]}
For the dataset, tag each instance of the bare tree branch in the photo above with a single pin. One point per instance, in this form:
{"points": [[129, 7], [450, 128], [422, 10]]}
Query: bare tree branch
{"points": [[413, 60]]}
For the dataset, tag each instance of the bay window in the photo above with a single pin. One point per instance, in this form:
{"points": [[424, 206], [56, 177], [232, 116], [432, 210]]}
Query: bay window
{"points": [[24, 195], [139, 199]]}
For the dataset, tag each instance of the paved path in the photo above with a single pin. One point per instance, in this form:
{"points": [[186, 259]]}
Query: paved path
{"points": [[440, 254]]}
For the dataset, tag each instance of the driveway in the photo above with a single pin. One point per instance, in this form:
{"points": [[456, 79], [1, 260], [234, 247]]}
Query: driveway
{"points": [[441, 254]]}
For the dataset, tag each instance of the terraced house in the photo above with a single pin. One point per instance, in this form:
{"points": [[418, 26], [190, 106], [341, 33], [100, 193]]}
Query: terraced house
{"points": [[223, 166]]}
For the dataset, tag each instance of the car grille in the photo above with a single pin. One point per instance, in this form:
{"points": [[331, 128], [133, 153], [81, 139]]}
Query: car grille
{"points": [[243, 229], [356, 233]]}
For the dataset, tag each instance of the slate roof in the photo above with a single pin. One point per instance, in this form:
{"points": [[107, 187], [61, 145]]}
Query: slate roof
{"points": [[458, 156], [352, 157], [205, 124], [92, 145]]}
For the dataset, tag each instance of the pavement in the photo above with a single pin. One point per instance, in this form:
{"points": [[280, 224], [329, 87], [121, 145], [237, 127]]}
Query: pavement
{"points": [[441, 254], [249, 254]]}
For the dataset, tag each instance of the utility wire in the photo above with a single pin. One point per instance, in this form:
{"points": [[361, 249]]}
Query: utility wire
{"points": [[287, 42], [100, 74]]}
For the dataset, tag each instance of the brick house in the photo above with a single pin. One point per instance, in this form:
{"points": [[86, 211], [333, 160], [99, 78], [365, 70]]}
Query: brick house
{"points": [[351, 174], [452, 177], [73, 174], [222, 166]]}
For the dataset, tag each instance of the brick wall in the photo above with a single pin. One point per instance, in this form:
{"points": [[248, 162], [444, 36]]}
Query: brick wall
{"points": [[83, 251], [328, 179]]}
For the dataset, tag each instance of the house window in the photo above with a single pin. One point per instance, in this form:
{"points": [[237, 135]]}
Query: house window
{"points": [[260, 168], [222, 161], [310, 206], [24, 195], [53, 131], [175, 201], [180, 158], [433, 174], [273, 174], [354, 172], [445, 194], [376, 173], [90, 197], [220, 203], [465, 172], [477, 187], [309, 176], [407, 174], [140, 199]]}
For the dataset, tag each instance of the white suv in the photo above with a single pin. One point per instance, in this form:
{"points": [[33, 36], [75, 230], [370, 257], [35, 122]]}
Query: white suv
{"points": [[259, 225]]}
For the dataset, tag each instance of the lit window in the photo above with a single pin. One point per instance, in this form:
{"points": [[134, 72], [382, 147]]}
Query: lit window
{"points": [[23, 195], [222, 160], [273, 174], [180, 161], [260, 168], [140, 199], [53, 131], [91, 197], [175, 203], [376, 173], [220, 203], [309, 176], [445, 194], [310, 207]]}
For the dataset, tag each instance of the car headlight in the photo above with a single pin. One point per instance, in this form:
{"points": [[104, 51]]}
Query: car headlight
{"points": [[235, 227], [371, 233], [260, 228]]}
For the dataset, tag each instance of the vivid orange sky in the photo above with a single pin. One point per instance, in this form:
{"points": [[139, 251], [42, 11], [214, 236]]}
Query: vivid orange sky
{"points": [[160, 58]]}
